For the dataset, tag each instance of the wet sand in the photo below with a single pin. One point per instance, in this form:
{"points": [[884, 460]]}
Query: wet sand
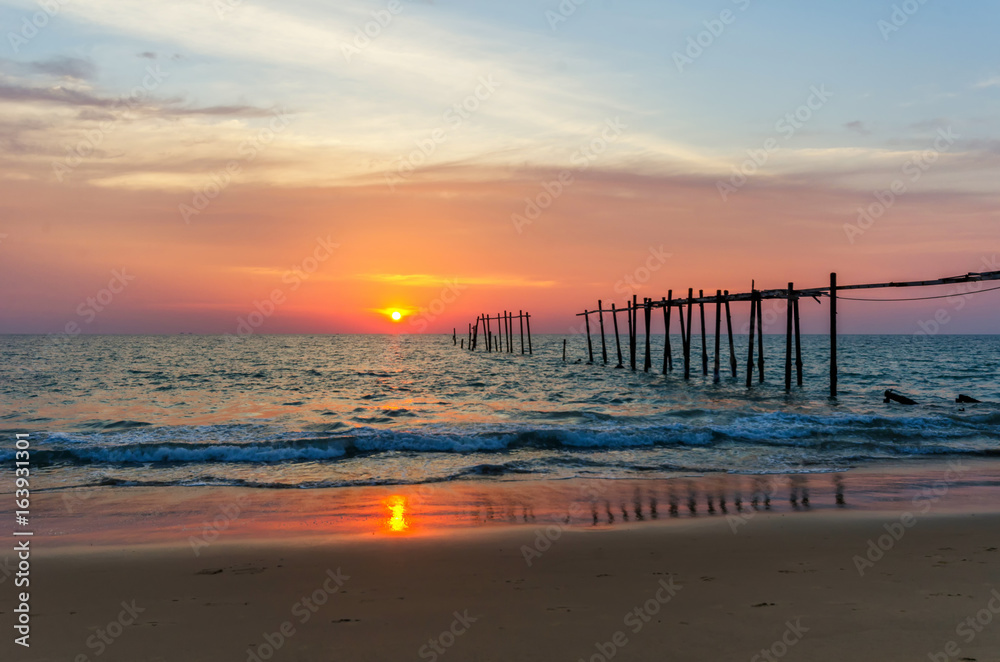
{"points": [[869, 565]]}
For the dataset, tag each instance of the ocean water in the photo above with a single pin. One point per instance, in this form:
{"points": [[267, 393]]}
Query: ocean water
{"points": [[328, 411]]}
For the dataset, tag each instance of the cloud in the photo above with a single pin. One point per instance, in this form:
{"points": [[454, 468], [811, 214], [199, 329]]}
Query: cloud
{"points": [[432, 280], [66, 96], [989, 82], [60, 66], [858, 126]]}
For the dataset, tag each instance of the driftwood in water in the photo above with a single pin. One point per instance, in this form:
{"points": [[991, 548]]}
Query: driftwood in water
{"points": [[892, 396]]}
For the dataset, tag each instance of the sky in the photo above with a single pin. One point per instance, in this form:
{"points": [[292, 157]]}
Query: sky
{"points": [[245, 166]]}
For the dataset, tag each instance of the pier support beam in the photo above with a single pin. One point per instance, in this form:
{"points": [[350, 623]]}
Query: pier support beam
{"points": [[687, 341], [760, 338], [668, 359], [833, 335], [718, 332], [753, 325], [604, 347], [788, 337], [647, 312], [590, 348], [704, 343], [618, 342], [798, 344], [732, 347], [527, 328]]}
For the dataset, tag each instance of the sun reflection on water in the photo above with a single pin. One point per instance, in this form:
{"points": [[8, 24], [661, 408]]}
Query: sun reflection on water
{"points": [[397, 514]]}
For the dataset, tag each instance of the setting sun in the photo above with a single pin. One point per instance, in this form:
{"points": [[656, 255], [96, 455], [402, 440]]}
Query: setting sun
{"points": [[396, 316]]}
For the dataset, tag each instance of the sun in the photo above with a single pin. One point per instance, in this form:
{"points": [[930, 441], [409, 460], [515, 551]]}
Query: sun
{"points": [[396, 316]]}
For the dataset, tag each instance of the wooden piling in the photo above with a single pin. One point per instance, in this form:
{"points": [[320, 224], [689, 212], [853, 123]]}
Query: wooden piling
{"points": [[753, 326], [635, 332], [463, 344], [590, 348], [704, 343], [618, 342], [454, 335], [648, 310], [604, 347], [628, 309], [520, 318], [798, 344], [527, 324], [718, 332], [564, 350], [732, 346], [668, 359], [489, 334], [788, 338], [760, 338], [687, 344], [833, 335]]}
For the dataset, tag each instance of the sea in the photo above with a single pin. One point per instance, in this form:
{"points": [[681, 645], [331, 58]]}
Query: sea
{"points": [[328, 411]]}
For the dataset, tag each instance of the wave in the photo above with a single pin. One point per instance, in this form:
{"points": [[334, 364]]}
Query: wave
{"points": [[847, 436]]}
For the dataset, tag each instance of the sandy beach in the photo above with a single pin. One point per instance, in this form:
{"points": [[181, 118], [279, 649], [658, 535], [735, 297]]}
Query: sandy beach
{"points": [[897, 583]]}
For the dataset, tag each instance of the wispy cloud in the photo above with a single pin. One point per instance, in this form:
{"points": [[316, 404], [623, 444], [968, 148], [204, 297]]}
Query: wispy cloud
{"points": [[431, 280]]}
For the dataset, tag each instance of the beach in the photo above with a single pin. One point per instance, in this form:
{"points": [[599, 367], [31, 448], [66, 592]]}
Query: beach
{"points": [[874, 579]]}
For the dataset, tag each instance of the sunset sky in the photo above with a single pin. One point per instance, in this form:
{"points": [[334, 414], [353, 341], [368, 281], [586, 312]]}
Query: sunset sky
{"points": [[173, 166]]}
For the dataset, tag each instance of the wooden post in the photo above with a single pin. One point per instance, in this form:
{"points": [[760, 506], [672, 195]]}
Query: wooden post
{"points": [[454, 335], [635, 332], [618, 342], [520, 319], [564, 350], [753, 325], [668, 359], [604, 347], [833, 335], [798, 345], [760, 337], [732, 347], [687, 344], [510, 332], [590, 348], [463, 344], [507, 328], [680, 316], [527, 324], [628, 309], [718, 331], [788, 338], [647, 310], [489, 335], [704, 343]]}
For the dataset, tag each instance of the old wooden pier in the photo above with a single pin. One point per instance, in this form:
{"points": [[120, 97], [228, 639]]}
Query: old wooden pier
{"points": [[503, 339], [634, 309]]}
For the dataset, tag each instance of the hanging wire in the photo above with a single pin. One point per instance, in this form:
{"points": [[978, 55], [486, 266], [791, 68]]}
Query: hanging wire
{"points": [[942, 296]]}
